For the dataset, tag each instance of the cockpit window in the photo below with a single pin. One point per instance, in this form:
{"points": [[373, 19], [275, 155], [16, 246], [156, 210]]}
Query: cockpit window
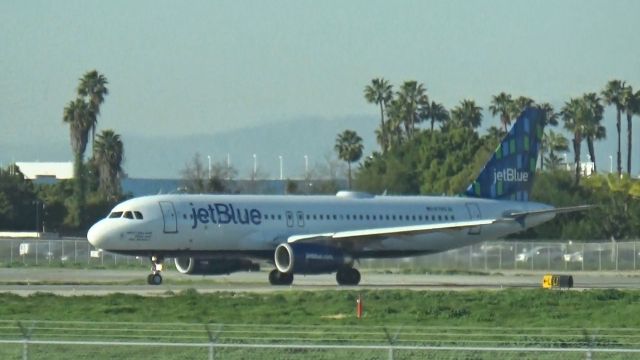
{"points": [[138, 215], [115, 214], [128, 215]]}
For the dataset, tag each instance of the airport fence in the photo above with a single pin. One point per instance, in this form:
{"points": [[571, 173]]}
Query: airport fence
{"points": [[488, 256], [53, 340]]}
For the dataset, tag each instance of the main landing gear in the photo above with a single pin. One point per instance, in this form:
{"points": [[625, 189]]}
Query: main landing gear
{"points": [[156, 267], [348, 276], [344, 276], [279, 278]]}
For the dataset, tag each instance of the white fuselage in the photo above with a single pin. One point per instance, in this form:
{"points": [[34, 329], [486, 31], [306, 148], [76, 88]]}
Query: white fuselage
{"points": [[182, 224]]}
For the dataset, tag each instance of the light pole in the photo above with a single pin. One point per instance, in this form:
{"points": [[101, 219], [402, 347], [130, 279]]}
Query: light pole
{"points": [[610, 163], [255, 166], [209, 158], [281, 174], [306, 166]]}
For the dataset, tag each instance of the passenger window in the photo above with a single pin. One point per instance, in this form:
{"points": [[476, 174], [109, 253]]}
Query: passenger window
{"points": [[321, 217], [335, 217], [348, 217], [128, 215], [115, 214], [367, 217], [138, 215], [439, 217], [452, 217]]}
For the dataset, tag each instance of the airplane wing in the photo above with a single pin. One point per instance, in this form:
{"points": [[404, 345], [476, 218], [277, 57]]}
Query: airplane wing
{"points": [[378, 234], [358, 238], [562, 210]]}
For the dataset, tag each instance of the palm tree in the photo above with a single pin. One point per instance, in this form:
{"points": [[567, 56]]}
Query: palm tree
{"points": [[108, 155], [412, 96], [379, 92], [395, 119], [93, 87], [78, 115], [630, 102], [593, 129], [573, 115], [435, 112], [549, 117], [467, 114], [503, 105], [349, 148], [612, 95], [555, 142], [519, 104]]}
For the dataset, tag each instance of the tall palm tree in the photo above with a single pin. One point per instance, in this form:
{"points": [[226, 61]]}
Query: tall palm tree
{"points": [[108, 155], [555, 142], [612, 95], [630, 102], [93, 88], [549, 117], [380, 92], [349, 148], [412, 96], [467, 114], [395, 119], [593, 129], [573, 116], [435, 112], [78, 115], [519, 104], [502, 104]]}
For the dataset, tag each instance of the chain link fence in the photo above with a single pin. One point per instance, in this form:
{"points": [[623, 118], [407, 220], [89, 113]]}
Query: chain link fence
{"points": [[487, 256]]}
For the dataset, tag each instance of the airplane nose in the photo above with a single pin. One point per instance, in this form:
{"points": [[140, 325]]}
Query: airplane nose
{"points": [[96, 235]]}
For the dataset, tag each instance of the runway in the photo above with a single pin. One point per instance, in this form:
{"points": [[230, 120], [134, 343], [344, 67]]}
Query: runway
{"points": [[71, 282]]}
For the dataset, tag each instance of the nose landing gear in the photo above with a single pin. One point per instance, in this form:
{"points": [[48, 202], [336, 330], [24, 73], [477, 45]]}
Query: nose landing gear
{"points": [[156, 267]]}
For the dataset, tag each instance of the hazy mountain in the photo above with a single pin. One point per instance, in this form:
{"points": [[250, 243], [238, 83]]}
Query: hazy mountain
{"points": [[166, 156]]}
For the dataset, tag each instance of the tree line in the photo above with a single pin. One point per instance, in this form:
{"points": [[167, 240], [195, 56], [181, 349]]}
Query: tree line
{"points": [[74, 204], [444, 156]]}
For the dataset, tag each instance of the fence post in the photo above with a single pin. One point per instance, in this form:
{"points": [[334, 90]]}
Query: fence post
{"points": [[391, 340], [26, 336], [213, 338]]}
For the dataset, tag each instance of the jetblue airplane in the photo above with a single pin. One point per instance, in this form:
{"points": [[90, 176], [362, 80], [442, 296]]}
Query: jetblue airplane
{"points": [[215, 234]]}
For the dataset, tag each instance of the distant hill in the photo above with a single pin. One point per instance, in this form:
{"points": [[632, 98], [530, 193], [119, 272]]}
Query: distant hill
{"points": [[166, 156]]}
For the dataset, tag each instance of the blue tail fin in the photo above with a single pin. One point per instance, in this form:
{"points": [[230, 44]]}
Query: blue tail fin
{"points": [[510, 172]]}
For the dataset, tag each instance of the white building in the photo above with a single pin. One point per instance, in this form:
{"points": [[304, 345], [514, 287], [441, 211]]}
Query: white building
{"points": [[51, 170]]}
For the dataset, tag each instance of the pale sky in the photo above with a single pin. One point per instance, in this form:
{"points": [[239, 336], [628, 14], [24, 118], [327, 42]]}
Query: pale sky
{"points": [[202, 67]]}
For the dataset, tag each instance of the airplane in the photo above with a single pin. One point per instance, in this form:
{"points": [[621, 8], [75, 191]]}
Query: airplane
{"points": [[309, 234]]}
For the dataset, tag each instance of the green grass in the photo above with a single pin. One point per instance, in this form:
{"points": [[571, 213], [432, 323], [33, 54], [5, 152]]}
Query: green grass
{"points": [[514, 317], [506, 308]]}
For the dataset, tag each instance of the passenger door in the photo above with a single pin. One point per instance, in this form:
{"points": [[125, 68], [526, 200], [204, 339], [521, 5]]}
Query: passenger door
{"points": [[169, 217]]}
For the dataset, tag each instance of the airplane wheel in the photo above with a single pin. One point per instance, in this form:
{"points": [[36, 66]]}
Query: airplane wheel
{"points": [[155, 279], [278, 278], [348, 276], [149, 279]]}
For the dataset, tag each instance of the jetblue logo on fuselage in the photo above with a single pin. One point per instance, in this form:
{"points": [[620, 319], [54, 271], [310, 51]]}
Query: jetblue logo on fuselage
{"points": [[510, 175], [220, 213]]}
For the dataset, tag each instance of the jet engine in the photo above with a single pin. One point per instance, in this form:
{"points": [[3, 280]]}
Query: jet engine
{"points": [[208, 266], [310, 258]]}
